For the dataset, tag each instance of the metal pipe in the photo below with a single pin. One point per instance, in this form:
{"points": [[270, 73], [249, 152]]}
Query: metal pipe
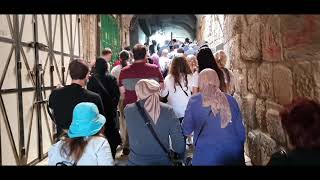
{"points": [[8, 91], [50, 52], [62, 56], [38, 85], [98, 41], [78, 19], [71, 45], [19, 86], [42, 47], [7, 124]]}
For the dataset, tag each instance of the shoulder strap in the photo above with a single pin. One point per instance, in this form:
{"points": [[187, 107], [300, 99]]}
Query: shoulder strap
{"points": [[105, 90], [66, 163], [148, 123], [50, 113], [183, 89], [101, 85]]}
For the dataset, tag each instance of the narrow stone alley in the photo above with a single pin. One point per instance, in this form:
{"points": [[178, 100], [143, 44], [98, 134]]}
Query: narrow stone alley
{"points": [[274, 59]]}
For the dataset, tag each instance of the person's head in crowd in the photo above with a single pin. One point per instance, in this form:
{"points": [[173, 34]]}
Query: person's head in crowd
{"points": [[204, 45], [155, 59], [139, 52], [154, 42], [86, 122], [79, 71], [180, 68], [176, 46], [149, 60], [165, 53], [171, 48], [127, 48], [146, 45], [180, 50], [149, 90], [101, 66], [206, 60], [209, 84], [301, 121], [221, 58], [124, 56], [187, 40], [174, 40], [192, 61], [107, 54]]}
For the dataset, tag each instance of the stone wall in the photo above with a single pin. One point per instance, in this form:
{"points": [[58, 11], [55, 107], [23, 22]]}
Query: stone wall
{"points": [[125, 30], [275, 58], [213, 32], [89, 36]]}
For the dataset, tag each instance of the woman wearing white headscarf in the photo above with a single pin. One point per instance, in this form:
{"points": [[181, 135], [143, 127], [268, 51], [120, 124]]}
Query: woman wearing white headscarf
{"points": [[144, 148], [216, 121]]}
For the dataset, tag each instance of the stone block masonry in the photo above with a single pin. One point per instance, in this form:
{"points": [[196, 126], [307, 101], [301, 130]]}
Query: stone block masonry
{"points": [[275, 58]]}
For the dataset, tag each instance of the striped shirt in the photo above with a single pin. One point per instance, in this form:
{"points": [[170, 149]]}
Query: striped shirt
{"points": [[130, 75]]}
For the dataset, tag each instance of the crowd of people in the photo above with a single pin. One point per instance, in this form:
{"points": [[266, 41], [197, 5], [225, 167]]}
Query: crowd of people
{"points": [[155, 103]]}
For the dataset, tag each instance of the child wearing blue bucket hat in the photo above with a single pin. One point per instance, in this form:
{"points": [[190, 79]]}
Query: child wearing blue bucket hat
{"points": [[84, 144]]}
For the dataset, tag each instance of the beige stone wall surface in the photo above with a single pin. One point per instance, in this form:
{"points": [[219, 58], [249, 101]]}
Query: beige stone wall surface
{"points": [[275, 58]]}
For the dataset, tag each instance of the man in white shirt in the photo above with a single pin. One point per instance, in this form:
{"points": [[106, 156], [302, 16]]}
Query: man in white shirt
{"points": [[124, 58]]}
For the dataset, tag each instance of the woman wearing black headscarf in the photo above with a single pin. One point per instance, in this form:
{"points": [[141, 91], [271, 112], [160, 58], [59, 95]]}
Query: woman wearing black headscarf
{"points": [[103, 83]]}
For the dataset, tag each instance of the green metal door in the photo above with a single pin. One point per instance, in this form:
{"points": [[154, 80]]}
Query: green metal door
{"points": [[110, 35]]}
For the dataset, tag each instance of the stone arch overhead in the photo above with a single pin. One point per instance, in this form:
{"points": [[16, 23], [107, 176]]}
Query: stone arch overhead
{"points": [[155, 22]]}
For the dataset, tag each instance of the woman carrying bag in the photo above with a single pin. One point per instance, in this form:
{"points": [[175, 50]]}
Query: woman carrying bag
{"points": [[177, 85], [150, 124], [215, 119], [104, 84]]}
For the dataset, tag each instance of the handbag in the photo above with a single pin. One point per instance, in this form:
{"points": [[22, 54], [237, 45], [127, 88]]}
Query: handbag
{"points": [[173, 156], [67, 163]]}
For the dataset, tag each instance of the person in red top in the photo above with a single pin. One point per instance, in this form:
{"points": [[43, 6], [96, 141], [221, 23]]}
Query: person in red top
{"points": [[117, 62], [130, 75]]}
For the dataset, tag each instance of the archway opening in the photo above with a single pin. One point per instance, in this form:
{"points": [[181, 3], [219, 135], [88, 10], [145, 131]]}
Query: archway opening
{"points": [[145, 28]]}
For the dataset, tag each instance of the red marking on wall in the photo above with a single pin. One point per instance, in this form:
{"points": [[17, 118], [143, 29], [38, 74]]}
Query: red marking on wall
{"points": [[271, 50], [301, 35]]}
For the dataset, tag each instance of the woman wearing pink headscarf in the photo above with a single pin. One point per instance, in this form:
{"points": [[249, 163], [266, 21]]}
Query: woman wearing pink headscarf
{"points": [[216, 121], [155, 60], [144, 148]]}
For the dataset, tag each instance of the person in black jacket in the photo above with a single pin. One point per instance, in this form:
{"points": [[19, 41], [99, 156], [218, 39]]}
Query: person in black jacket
{"points": [[63, 100], [103, 83], [301, 120]]}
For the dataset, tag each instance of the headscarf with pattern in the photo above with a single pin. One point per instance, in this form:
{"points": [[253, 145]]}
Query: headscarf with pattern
{"points": [[212, 96]]}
